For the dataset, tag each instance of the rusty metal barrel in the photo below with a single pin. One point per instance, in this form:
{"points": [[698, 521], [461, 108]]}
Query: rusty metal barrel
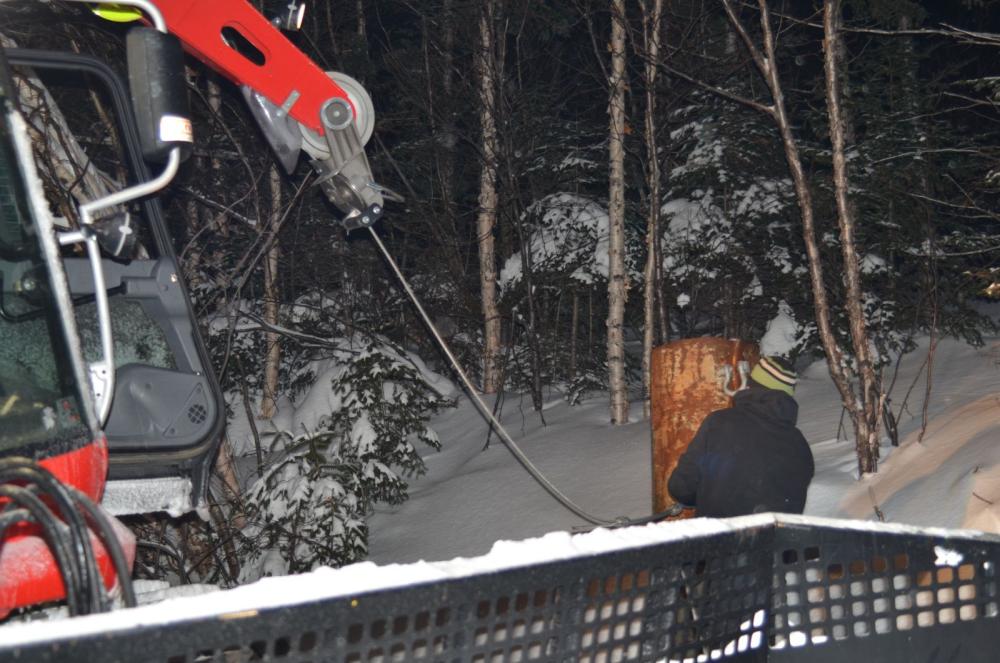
{"points": [[688, 379]]}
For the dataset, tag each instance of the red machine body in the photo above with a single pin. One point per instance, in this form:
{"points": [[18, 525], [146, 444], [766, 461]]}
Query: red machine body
{"points": [[286, 74], [29, 574]]}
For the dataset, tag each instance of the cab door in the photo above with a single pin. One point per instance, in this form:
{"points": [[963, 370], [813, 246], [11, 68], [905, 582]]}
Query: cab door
{"points": [[167, 412]]}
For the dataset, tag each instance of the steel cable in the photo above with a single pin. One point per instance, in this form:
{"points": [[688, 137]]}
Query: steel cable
{"points": [[502, 433]]}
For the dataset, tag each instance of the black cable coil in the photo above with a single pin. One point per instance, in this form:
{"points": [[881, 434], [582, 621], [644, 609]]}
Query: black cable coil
{"points": [[65, 516]]}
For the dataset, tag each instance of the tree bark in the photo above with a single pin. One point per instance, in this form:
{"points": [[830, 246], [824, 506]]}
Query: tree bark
{"points": [[272, 362], [447, 131], [651, 23], [662, 315], [488, 197], [573, 333], [214, 94], [914, 111], [58, 154], [867, 416], [766, 64], [617, 281]]}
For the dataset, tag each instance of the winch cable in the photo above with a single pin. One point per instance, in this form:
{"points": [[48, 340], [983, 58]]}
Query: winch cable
{"points": [[502, 433]]}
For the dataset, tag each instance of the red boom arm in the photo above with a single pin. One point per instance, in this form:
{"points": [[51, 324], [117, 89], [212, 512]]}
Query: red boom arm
{"points": [[209, 28]]}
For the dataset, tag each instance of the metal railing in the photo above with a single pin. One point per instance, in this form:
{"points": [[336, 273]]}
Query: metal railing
{"points": [[779, 588]]}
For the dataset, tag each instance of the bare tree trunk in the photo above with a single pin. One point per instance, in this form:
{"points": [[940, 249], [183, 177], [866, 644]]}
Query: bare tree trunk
{"points": [[617, 281], [533, 334], [331, 29], [214, 94], [272, 362], [225, 469], [662, 315], [447, 138], [766, 64], [651, 22], [590, 323], [58, 154], [868, 417], [573, 333], [930, 285], [486, 220]]}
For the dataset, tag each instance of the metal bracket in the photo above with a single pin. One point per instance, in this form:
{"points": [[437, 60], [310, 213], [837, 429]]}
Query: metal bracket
{"points": [[726, 373]]}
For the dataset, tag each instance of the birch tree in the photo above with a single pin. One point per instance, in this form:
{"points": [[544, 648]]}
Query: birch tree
{"points": [[862, 407], [867, 414], [272, 362], [485, 64], [651, 24], [617, 281]]}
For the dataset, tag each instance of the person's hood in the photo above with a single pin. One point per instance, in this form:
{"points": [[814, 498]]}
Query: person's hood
{"points": [[769, 404]]}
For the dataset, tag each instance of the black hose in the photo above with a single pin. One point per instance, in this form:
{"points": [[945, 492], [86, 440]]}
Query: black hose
{"points": [[11, 516], [107, 535], [66, 530], [185, 578], [673, 510], [55, 539], [494, 422], [90, 578]]}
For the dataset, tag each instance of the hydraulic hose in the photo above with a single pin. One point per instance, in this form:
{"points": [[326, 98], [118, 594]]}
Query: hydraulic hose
{"points": [[56, 540], [65, 531], [79, 542], [106, 534], [620, 521]]}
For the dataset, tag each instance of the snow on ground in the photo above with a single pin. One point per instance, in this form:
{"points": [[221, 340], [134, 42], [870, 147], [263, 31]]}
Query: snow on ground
{"points": [[475, 498], [927, 482], [472, 496]]}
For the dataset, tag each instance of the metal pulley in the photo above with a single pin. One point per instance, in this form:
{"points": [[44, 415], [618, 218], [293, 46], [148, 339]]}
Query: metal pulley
{"points": [[339, 154], [364, 116]]}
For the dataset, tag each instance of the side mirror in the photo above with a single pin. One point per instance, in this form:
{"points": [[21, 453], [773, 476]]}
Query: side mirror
{"points": [[159, 93]]}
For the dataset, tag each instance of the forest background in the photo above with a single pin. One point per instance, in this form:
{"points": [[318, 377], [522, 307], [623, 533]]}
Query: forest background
{"points": [[583, 181]]}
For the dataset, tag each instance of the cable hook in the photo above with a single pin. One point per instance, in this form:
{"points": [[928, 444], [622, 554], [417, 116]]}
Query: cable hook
{"points": [[743, 368]]}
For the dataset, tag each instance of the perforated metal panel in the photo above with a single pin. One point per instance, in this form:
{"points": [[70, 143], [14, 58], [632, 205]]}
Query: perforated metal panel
{"points": [[774, 592]]}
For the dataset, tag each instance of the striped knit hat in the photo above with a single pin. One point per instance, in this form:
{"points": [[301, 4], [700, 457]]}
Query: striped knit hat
{"points": [[774, 373]]}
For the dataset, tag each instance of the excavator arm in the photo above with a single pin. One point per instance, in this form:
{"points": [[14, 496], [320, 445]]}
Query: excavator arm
{"points": [[298, 106]]}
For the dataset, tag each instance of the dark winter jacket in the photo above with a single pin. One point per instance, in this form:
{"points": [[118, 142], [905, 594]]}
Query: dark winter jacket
{"points": [[749, 458]]}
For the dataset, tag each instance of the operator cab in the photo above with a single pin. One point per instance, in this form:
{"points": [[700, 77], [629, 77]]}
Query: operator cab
{"points": [[160, 407], [42, 413]]}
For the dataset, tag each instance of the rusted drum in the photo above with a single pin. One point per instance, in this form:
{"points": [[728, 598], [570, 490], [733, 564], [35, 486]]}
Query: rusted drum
{"points": [[688, 381]]}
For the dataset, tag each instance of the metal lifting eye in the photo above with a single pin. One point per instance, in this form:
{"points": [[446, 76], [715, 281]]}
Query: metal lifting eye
{"points": [[727, 375]]}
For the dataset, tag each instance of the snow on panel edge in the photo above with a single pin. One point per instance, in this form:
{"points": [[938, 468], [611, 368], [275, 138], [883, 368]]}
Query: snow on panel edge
{"points": [[325, 583]]}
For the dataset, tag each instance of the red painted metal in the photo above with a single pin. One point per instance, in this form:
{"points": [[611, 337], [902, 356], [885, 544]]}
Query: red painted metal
{"points": [[86, 468], [199, 24], [28, 572]]}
